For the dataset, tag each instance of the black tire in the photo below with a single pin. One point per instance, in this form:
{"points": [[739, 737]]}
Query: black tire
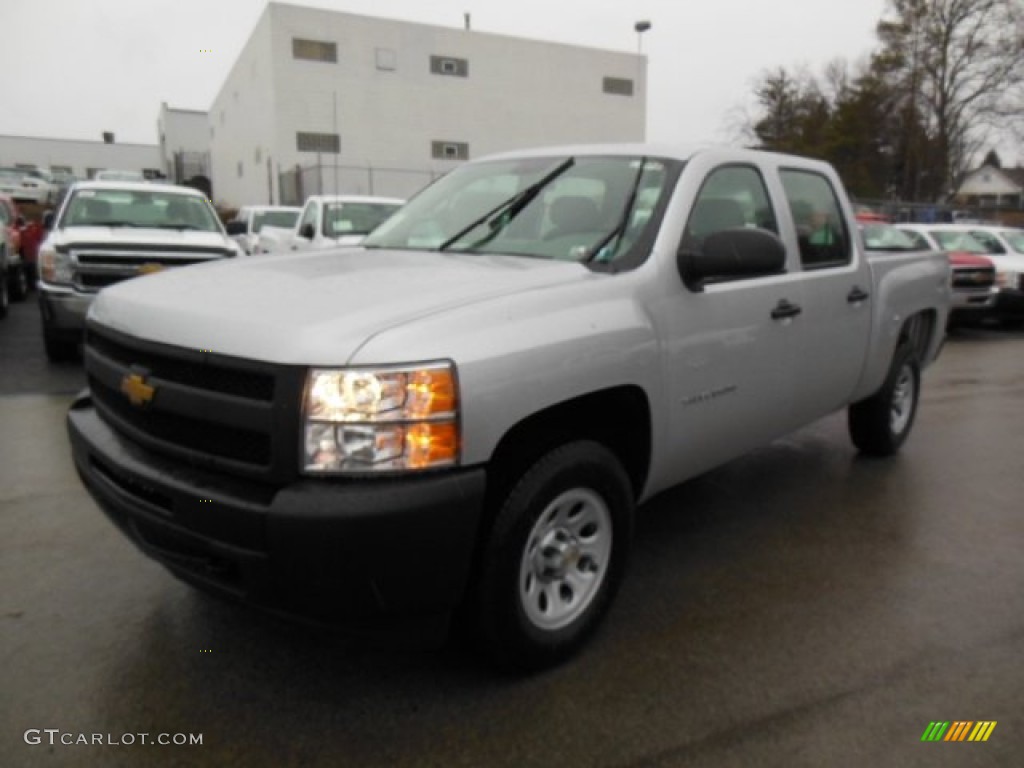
{"points": [[5, 299], [59, 350], [18, 283], [881, 423], [536, 606]]}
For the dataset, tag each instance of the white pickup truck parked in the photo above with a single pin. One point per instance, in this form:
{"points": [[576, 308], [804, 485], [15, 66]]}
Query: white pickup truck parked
{"points": [[110, 231], [462, 414], [328, 221]]}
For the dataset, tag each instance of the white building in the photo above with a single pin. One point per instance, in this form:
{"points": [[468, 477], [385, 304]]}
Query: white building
{"points": [[184, 136], [80, 158], [376, 106]]}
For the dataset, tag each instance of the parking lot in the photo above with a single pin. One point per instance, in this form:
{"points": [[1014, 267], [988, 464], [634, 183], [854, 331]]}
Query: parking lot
{"points": [[799, 607]]}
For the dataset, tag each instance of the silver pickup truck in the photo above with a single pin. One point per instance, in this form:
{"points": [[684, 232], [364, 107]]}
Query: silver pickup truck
{"points": [[460, 416]]}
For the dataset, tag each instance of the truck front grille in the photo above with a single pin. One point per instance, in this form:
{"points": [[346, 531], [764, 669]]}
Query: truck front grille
{"points": [[96, 268], [214, 411], [973, 277]]}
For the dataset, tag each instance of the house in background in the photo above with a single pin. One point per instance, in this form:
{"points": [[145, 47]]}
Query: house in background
{"points": [[992, 187]]}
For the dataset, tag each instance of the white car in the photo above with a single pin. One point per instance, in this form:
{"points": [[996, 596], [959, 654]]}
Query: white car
{"points": [[328, 221], [115, 175], [31, 186], [250, 220], [1004, 247]]}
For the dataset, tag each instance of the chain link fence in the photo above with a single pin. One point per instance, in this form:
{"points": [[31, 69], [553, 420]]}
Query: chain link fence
{"points": [[298, 183], [901, 211]]}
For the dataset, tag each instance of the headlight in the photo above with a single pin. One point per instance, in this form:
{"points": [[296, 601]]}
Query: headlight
{"points": [[55, 266], [1008, 279], [380, 419]]}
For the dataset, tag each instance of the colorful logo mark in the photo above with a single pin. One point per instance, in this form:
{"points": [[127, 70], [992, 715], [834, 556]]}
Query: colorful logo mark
{"points": [[959, 730]]}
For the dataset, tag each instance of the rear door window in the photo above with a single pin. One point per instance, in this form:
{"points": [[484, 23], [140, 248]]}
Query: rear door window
{"points": [[821, 230]]}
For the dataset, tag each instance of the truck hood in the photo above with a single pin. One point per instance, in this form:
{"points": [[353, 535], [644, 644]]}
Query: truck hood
{"points": [[316, 308], [148, 239]]}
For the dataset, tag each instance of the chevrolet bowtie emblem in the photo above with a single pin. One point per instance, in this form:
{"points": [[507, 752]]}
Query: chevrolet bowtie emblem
{"points": [[138, 391], [149, 268]]}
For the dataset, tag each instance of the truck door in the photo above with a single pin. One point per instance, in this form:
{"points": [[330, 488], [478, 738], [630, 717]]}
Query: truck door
{"points": [[729, 348], [837, 294]]}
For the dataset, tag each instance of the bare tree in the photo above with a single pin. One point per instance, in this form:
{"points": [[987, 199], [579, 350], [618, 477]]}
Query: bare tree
{"points": [[960, 64]]}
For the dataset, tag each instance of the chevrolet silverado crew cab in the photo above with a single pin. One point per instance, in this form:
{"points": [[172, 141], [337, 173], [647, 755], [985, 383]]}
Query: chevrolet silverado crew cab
{"points": [[459, 416], [107, 231]]}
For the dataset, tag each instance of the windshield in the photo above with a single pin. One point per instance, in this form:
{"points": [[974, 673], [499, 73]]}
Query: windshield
{"points": [[131, 208], [882, 237], [1014, 238], [283, 218], [351, 218], [574, 209], [957, 241]]}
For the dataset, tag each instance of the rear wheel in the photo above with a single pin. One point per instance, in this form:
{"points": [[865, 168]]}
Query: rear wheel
{"points": [[555, 556], [5, 299], [880, 424]]}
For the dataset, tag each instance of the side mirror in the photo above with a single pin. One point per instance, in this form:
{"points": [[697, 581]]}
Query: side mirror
{"points": [[732, 254], [236, 227], [307, 231], [48, 220]]}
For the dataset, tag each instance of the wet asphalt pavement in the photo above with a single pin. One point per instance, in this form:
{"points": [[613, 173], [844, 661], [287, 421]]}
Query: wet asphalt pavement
{"points": [[798, 607]]}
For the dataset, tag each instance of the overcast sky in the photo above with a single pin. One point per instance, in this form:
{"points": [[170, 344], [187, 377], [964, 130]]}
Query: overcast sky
{"points": [[74, 68]]}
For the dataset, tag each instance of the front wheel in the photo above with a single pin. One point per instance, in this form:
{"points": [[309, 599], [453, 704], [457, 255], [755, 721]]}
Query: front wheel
{"points": [[879, 424], [18, 280], [555, 556]]}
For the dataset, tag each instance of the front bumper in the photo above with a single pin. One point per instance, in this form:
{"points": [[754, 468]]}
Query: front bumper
{"points": [[64, 310], [1009, 303], [368, 554]]}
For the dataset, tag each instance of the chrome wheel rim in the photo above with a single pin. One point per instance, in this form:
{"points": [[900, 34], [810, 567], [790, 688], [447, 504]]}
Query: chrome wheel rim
{"points": [[902, 400], [565, 560]]}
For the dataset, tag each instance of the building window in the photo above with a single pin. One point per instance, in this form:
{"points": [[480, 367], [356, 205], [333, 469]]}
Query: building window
{"points": [[386, 59], [90, 173], [314, 50], [449, 150], [449, 65], [61, 169], [25, 166], [318, 142], [152, 173], [620, 86]]}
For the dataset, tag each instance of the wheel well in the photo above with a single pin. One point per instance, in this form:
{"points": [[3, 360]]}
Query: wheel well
{"points": [[918, 331], [619, 418]]}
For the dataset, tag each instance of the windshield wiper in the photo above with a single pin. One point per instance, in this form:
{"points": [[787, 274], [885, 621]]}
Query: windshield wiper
{"points": [[620, 229], [509, 208], [180, 227], [108, 224]]}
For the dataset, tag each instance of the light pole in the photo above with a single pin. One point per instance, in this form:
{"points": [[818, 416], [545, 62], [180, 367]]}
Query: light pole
{"points": [[641, 27]]}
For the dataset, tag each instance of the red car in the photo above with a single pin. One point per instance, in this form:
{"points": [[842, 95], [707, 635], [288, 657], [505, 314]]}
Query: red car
{"points": [[14, 275]]}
